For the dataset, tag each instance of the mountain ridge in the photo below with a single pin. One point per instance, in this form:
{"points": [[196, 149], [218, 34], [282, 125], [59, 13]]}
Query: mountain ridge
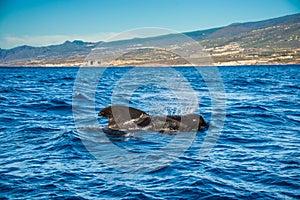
{"points": [[271, 41]]}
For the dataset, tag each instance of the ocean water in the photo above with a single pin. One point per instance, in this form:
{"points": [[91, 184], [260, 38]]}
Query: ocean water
{"points": [[52, 144]]}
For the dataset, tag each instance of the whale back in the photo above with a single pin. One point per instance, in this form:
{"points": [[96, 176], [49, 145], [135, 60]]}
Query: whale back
{"points": [[190, 121], [128, 118]]}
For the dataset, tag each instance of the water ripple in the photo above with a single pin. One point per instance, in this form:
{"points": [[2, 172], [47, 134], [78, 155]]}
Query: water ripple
{"points": [[43, 155]]}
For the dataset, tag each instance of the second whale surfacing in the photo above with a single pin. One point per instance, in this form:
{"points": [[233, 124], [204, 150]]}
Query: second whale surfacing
{"points": [[123, 118]]}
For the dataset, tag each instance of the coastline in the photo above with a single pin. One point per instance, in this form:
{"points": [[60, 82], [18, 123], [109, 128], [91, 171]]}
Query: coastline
{"points": [[269, 42], [148, 66]]}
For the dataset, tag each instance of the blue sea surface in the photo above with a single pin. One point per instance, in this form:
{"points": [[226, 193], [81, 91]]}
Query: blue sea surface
{"points": [[52, 144]]}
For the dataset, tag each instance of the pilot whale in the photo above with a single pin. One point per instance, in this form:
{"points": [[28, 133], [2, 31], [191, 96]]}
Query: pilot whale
{"points": [[123, 118]]}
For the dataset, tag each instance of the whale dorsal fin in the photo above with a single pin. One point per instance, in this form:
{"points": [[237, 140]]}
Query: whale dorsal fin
{"points": [[120, 115]]}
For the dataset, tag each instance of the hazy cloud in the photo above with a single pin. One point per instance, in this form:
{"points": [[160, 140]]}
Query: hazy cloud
{"points": [[8, 42]]}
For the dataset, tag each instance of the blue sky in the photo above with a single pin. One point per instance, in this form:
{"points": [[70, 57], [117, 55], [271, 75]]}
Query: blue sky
{"points": [[44, 22]]}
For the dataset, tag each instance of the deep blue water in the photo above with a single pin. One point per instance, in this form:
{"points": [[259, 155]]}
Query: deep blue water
{"points": [[52, 144]]}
